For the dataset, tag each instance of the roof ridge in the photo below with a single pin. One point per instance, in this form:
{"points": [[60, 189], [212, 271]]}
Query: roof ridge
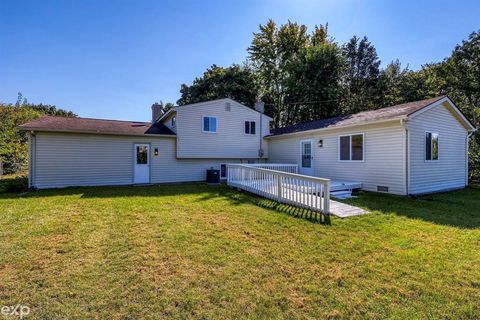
{"points": [[365, 111], [381, 114]]}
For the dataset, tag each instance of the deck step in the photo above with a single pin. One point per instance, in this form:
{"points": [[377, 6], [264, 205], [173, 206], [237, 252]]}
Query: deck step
{"points": [[341, 194]]}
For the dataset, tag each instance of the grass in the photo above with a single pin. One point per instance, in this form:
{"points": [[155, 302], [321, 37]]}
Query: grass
{"points": [[207, 252]]}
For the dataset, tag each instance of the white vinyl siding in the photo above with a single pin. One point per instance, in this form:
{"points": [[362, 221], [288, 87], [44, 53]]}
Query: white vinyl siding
{"points": [[383, 156], [448, 172], [229, 141], [63, 159]]}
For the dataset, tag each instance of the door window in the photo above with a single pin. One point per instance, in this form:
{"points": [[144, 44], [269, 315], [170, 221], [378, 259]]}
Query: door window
{"points": [[306, 154], [142, 154]]}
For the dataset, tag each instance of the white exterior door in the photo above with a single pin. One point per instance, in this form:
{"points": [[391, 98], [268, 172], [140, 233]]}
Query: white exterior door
{"points": [[141, 165], [306, 161]]}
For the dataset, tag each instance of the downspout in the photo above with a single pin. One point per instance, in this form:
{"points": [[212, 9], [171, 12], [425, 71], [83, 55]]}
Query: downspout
{"points": [[467, 139], [404, 124], [260, 151], [33, 156]]}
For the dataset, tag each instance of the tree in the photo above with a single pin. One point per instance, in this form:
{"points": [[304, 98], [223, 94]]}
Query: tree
{"points": [[313, 84], [236, 82], [462, 73], [361, 80], [13, 142], [271, 52]]}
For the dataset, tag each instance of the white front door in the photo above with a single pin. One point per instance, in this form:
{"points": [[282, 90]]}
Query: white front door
{"points": [[141, 166], [306, 161]]}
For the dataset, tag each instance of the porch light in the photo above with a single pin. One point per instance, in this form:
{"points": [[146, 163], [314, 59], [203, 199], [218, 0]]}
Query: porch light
{"points": [[155, 152], [320, 143]]}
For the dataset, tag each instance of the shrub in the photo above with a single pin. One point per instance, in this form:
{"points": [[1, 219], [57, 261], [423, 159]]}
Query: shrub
{"points": [[14, 184]]}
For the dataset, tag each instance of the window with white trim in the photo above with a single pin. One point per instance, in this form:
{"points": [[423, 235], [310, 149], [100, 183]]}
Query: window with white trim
{"points": [[431, 146], [209, 124], [174, 121], [351, 147], [250, 127]]}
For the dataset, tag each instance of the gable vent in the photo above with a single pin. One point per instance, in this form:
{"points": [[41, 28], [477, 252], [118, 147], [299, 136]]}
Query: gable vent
{"points": [[227, 106]]}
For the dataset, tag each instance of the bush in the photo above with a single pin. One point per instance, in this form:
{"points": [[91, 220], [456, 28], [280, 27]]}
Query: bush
{"points": [[14, 184]]}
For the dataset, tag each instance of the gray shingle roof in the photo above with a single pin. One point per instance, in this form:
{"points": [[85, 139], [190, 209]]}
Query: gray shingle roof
{"points": [[100, 126], [358, 118]]}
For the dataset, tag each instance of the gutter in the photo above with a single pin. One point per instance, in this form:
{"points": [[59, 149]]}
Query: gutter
{"points": [[260, 150], [404, 124], [99, 133]]}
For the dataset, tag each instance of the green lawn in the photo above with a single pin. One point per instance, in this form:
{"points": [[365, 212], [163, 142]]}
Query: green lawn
{"points": [[198, 251]]}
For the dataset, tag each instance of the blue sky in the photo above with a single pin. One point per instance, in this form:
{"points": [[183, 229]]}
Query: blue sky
{"points": [[113, 59]]}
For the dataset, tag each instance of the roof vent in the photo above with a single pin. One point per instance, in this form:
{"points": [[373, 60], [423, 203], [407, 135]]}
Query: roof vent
{"points": [[228, 107]]}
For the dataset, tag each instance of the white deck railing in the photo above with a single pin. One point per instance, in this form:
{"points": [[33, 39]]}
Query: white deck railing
{"points": [[291, 168], [298, 190]]}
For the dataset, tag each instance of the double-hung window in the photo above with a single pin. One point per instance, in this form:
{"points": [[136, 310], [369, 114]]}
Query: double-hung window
{"points": [[351, 147], [250, 127], [209, 124], [431, 146]]}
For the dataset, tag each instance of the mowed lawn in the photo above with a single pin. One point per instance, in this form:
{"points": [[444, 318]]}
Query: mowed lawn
{"points": [[198, 251]]}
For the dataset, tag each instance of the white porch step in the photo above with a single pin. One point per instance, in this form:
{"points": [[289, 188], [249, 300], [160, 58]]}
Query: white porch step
{"points": [[336, 185], [341, 194]]}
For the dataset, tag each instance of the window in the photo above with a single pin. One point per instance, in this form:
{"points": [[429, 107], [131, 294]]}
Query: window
{"points": [[431, 146], [209, 124], [351, 147], [174, 121], [249, 127], [142, 154]]}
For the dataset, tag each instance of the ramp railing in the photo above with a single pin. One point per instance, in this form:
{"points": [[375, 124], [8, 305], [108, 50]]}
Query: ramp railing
{"points": [[284, 187]]}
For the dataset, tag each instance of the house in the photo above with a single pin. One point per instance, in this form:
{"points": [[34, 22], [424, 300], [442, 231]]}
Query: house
{"points": [[412, 148], [178, 146]]}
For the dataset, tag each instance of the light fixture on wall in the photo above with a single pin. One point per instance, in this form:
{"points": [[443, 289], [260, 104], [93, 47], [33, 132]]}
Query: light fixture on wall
{"points": [[320, 143], [155, 152]]}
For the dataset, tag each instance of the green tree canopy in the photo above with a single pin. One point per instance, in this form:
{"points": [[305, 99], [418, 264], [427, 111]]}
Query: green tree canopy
{"points": [[13, 142], [236, 82]]}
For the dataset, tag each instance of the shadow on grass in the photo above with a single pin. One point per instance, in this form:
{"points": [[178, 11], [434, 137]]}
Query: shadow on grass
{"points": [[206, 191], [202, 191], [199, 191], [296, 212], [459, 208]]}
